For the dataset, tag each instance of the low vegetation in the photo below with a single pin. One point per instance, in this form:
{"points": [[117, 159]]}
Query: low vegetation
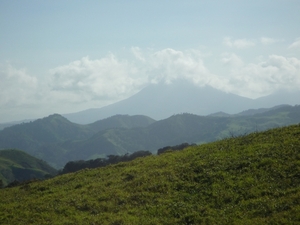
{"points": [[251, 179]]}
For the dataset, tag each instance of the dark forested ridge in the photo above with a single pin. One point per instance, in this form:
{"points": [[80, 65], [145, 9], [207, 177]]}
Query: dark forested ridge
{"points": [[250, 179], [20, 166], [57, 140]]}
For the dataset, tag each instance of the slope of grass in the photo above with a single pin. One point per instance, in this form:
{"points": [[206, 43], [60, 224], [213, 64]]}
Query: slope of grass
{"points": [[252, 179]]}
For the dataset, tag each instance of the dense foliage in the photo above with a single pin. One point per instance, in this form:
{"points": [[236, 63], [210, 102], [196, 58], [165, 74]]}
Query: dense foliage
{"points": [[74, 166], [252, 179], [174, 148]]}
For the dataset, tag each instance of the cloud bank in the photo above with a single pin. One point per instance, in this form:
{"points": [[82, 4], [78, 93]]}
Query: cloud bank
{"points": [[90, 83], [84, 80], [17, 87], [263, 78]]}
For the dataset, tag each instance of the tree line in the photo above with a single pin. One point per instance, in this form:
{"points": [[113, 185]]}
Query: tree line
{"points": [[74, 166]]}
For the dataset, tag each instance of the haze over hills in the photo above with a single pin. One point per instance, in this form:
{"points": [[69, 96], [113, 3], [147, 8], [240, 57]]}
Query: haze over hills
{"points": [[160, 101], [57, 140]]}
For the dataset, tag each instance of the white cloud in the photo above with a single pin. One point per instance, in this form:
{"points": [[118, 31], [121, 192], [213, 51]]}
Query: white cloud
{"points": [[238, 43], [90, 80], [16, 86], [168, 65], [265, 77], [136, 51], [295, 44], [231, 59], [110, 79], [89, 83], [268, 41], [19, 93]]}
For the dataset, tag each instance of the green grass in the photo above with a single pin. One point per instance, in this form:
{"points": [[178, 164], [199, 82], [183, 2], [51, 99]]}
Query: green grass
{"points": [[252, 179]]}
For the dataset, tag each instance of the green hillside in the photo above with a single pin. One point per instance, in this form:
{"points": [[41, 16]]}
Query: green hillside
{"points": [[251, 179], [39, 138], [53, 138], [182, 128], [57, 140], [18, 165]]}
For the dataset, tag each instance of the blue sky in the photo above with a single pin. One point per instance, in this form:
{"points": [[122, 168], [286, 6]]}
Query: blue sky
{"points": [[66, 56]]}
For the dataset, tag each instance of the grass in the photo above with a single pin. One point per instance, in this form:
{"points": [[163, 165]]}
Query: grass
{"points": [[252, 179]]}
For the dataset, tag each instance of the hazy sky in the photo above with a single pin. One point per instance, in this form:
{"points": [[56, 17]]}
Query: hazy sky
{"points": [[60, 56]]}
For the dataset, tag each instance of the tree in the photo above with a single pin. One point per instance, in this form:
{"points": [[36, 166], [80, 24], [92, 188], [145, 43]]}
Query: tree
{"points": [[1, 183]]}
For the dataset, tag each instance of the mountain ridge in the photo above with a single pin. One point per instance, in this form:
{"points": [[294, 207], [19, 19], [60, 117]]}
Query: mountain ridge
{"points": [[134, 133], [48, 137]]}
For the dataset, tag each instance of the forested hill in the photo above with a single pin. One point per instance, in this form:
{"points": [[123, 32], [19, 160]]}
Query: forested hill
{"points": [[252, 179], [121, 121], [57, 140], [18, 165], [48, 137], [178, 129]]}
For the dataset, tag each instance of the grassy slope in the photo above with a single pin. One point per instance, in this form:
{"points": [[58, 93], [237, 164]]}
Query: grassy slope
{"points": [[18, 165], [247, 180]]}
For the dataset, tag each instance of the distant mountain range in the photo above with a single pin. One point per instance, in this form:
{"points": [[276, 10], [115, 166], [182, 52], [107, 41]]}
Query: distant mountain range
{"points": [[160, 101], [57, 140], [9, 124]]}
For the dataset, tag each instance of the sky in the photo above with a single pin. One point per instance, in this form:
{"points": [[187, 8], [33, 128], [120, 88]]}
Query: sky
{"points": [[63, 56]]}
